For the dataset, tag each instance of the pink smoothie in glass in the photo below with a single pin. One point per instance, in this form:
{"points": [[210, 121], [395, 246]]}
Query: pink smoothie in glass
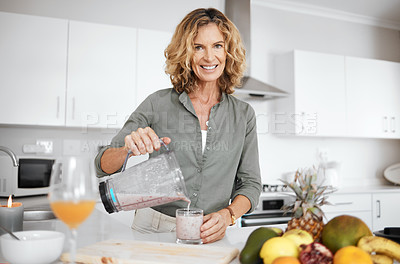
{"points": [[188, 226]]}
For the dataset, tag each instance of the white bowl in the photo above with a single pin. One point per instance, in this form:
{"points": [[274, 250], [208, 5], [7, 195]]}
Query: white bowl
{"points": [[34, 247]]}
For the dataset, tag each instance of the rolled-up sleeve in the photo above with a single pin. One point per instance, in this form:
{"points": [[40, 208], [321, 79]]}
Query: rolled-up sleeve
{"points": [[97, 163], [248, 178]]}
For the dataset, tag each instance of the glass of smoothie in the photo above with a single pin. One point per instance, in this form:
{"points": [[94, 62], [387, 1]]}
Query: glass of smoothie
{"points": [[188, 223]]}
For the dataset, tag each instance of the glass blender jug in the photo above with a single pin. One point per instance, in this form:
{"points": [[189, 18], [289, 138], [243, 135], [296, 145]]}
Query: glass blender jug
{"points": [[156, 181]]}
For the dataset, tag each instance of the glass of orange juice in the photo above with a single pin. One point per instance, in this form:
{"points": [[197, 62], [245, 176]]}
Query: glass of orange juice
{"points": [[73, 193]]}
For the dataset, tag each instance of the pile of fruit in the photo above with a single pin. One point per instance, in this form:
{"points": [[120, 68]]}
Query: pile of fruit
{"points": [[344, 239]]}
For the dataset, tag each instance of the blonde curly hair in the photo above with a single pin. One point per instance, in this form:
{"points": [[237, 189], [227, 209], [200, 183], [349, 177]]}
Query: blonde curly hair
{"points": [[179, 53]]}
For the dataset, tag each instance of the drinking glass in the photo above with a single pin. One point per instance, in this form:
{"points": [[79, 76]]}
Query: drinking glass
{"points": [[188, 223], [73, 193]]}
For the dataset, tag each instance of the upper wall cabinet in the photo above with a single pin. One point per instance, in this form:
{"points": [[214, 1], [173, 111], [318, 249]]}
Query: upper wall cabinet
{"points": [[101, 75], [77, 74], [333, 95], [151, 62], [33, 65], [373, 98], [316, 106]]}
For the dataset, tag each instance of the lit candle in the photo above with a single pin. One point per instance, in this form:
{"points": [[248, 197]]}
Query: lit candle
{"points": [[11, 216]]}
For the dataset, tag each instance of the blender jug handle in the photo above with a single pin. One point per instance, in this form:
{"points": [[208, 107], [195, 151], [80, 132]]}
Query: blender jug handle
{"points": [[165, 146], [130, 152]]}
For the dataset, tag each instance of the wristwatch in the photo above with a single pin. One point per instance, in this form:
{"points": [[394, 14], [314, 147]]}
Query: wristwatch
{"points": [[233, 217]]}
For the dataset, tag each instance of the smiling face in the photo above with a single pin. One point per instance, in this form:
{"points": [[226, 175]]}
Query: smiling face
{"points": [[209, 56]]}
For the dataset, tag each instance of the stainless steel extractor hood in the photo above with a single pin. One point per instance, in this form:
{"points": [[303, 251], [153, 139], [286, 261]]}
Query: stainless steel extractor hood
{"points": [[239, 11]]}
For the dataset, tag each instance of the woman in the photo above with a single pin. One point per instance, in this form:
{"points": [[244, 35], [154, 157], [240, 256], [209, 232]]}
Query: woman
{"points": [[212, 133]]}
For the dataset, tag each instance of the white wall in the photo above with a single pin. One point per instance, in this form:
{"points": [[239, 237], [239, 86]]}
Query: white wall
{"points": [[66, 141], [149, 14], [276, 31], [273, 32]]}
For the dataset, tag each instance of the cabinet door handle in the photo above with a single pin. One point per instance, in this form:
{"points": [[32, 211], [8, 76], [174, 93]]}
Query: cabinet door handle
{"points": [[378, 208], [73, 108], [343, 203], [385, 124], [393, 124], [58, 107]]}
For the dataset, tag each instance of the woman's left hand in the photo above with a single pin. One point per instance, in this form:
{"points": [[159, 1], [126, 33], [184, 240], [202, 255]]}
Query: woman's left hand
{"points": [[214, 226]]}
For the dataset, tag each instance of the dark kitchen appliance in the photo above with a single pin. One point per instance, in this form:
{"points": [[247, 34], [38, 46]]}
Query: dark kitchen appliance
{"points": [[24, 176], [269, 210], [392, 233]]}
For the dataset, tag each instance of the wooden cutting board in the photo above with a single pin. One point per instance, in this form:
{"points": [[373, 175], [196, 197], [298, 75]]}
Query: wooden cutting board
{"points": [[127, 251]]}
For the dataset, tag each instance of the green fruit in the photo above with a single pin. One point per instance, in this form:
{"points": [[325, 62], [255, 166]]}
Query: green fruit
{"points": [[342, 231], [250, 252], [277, 230]]}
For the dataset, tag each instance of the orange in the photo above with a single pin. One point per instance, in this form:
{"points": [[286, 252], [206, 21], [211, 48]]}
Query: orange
{"points": [[351, 255], [286, 260]]}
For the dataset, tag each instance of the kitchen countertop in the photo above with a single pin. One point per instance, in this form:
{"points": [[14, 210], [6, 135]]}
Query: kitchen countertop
{"points": [[100, 226], [368, 189]]}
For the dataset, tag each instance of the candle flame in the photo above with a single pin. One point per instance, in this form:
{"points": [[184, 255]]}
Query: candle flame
{"points": [[9, 203]]}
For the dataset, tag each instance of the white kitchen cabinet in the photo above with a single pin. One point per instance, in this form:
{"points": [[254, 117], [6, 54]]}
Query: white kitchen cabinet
{"points": [[33, 65], [101, 75], [358, 205], [385, 210], [333, 95], [316, 105], [76, 74], [151, 74], [373, 98]]}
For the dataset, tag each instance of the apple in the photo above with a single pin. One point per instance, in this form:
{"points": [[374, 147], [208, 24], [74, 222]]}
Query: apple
{"points": [[299, 237]]}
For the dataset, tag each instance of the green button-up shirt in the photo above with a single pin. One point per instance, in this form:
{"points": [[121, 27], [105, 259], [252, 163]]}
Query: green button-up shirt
{"points": [[229, 165]]}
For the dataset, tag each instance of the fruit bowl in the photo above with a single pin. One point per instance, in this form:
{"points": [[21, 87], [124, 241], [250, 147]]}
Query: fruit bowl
{"points": [[392, 233], [33, 247]]}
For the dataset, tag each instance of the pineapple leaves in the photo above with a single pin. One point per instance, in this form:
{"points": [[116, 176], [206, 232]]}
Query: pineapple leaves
{"points": [[309, 195], [316, 211], [296, 189], [298, 213]]}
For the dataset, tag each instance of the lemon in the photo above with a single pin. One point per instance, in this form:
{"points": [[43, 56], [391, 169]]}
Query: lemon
{"points": [[277, 230], [278, 247], [299, 237]]}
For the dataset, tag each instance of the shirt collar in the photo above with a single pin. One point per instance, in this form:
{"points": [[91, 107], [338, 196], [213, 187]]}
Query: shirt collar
{"points": [[185, 101], [184, 98]]}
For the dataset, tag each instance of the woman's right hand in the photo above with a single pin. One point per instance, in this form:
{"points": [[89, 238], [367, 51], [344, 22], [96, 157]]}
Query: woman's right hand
{"points": [[143, 141]]}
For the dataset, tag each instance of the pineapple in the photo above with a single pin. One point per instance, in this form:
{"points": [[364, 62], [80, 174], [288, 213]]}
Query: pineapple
{"points": [[306, 210]]}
